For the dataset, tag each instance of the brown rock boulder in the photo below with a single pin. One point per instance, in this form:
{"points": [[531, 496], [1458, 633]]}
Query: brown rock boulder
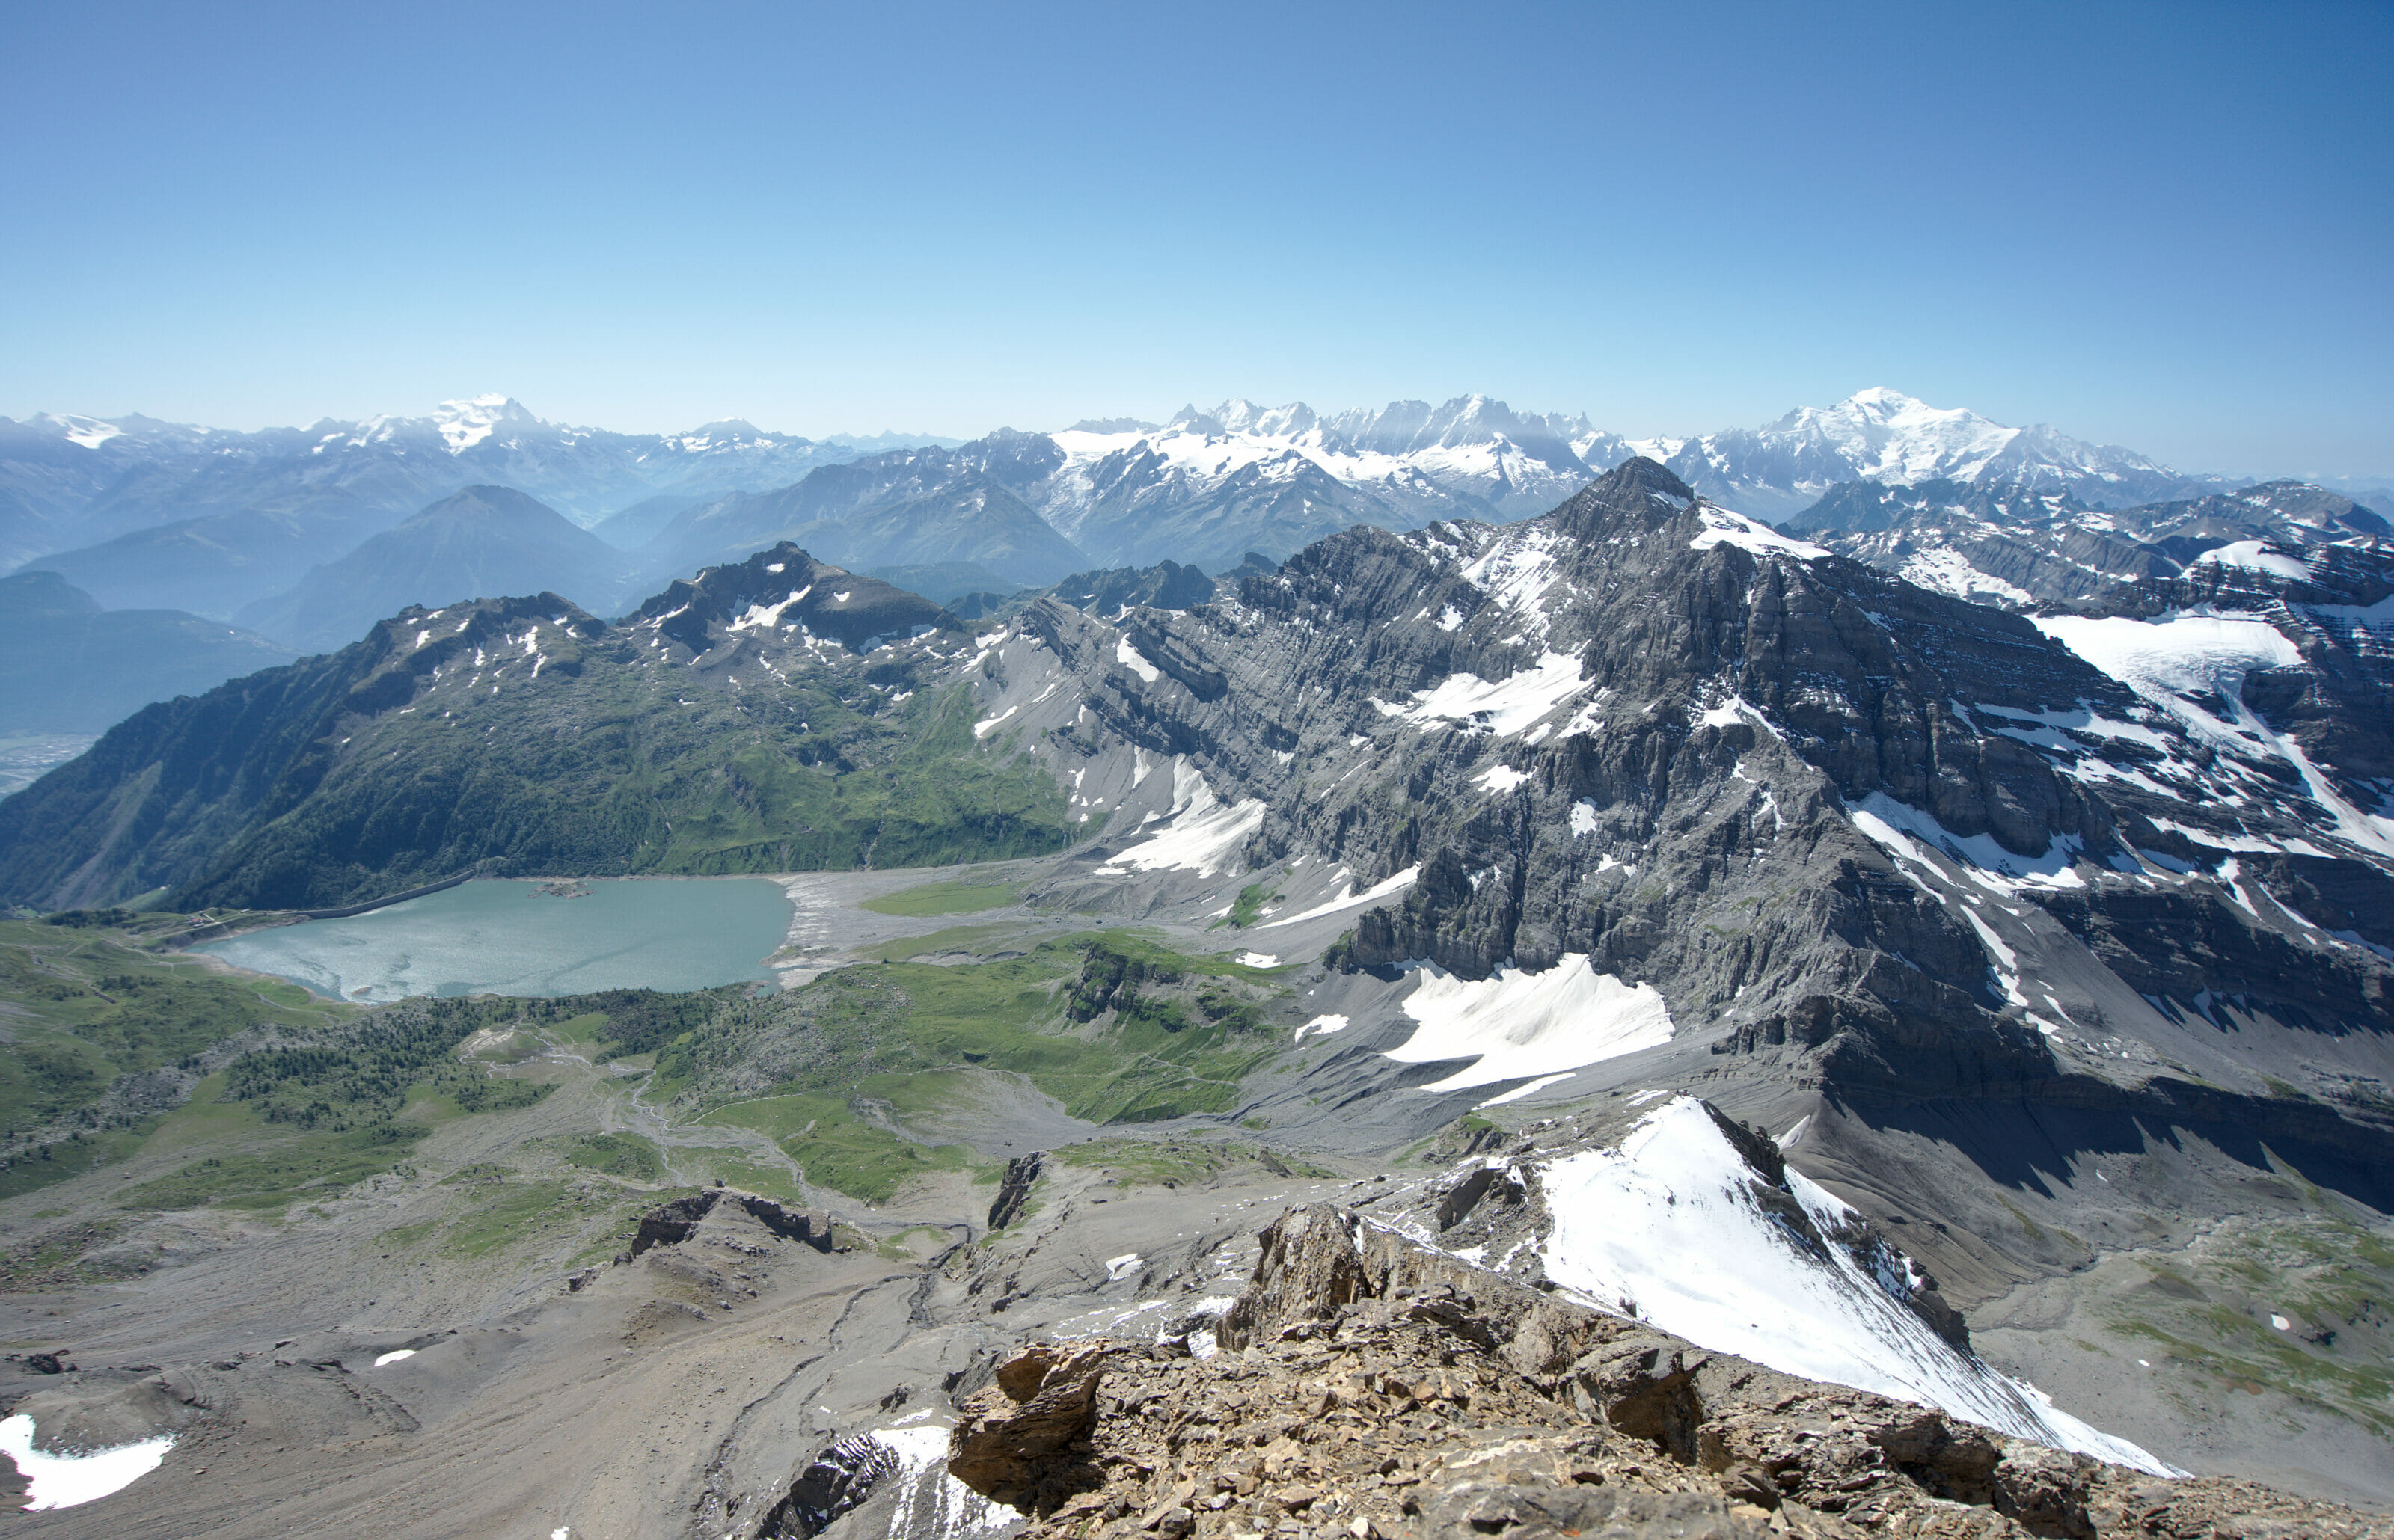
{"points": [[1013, 1440]]}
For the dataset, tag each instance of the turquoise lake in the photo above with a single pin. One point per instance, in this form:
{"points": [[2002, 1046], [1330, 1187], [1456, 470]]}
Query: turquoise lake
{"points": [[510, 938]]}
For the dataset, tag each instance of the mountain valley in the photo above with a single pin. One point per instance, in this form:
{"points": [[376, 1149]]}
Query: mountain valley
{"points": [[1871, 1024]]}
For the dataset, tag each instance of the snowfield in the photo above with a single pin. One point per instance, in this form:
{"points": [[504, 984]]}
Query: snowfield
{"points": [[1722, 527], [2183, 662], [1893, 826], [1202, 835], [1666, 1229], [930, 1501], [1518, 1026], [1351, 899], [1511, 705]]}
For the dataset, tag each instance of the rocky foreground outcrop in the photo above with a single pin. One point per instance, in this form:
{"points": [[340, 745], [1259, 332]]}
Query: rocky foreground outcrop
{"points": [[1365, 1386]]}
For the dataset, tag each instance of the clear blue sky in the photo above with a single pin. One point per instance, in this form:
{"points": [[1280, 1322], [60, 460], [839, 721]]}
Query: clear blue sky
{"points": [[2169, 226]]}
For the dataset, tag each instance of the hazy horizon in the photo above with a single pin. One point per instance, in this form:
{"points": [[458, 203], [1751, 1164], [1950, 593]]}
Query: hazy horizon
{"points": [[2232, 473], [2136, 224]]}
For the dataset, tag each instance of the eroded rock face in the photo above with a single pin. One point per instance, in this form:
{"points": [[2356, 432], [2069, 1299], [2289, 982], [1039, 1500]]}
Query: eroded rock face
{"points": [[1386, 1390], [671, 1223], [1310, 1270], [1014, 1440], [1014, 1192], [834, 1483], [1696, 817]]}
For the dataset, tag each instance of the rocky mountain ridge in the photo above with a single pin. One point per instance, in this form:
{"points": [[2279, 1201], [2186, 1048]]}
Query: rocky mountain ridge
{"points": [[2037, 944], [2016, 546], [1363, 1385], [486, 732]]}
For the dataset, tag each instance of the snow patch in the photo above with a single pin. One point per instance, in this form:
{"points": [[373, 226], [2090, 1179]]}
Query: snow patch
{"points": [[1378, 890], [1519, 571], [1202, 836], [1128, 656], [1321, 1026], [1517, 1092], [2182, 662], [929, 1500], [1894, 826], [394, 1356], [1946, 570], [1736, 708], [2256, 556], [70, 1480], [1520, 1025], [1722, 527], [767, 616], [1666, 1228], [1504, 706]]}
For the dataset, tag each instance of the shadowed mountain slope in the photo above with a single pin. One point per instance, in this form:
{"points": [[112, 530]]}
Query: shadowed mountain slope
{"points": [[67, 666], [483, 541]]}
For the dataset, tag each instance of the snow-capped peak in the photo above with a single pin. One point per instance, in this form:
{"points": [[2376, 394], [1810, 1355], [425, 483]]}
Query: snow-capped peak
{"points": [[90, 432], [1409, 458], [1264, 422], [1883, 435], [1890, 435], [464, 424]]}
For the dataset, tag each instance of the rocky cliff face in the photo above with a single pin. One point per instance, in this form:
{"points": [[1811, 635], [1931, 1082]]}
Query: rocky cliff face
{"points": [[1776, 785]]}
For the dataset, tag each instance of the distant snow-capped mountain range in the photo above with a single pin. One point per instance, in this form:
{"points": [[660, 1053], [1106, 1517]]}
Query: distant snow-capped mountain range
{"points": [[1881, 435], [1522, 463], [1472, 447], [142, 513]]}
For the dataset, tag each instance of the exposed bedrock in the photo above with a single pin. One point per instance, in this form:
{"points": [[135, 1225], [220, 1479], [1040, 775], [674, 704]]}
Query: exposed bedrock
{"points": [[1368, 1387]]}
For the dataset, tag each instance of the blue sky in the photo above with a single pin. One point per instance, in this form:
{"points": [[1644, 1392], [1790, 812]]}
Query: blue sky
{"points": [[2169, 226]]}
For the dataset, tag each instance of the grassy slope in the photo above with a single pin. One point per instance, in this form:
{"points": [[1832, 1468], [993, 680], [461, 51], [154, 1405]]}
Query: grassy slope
{"points": [[863, 1054], [1111, 1024], [340, 1094], [83, 1006], [631, 770]]}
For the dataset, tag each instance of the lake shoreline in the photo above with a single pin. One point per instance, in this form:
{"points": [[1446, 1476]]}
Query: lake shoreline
{"points": [[521, 936]]}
